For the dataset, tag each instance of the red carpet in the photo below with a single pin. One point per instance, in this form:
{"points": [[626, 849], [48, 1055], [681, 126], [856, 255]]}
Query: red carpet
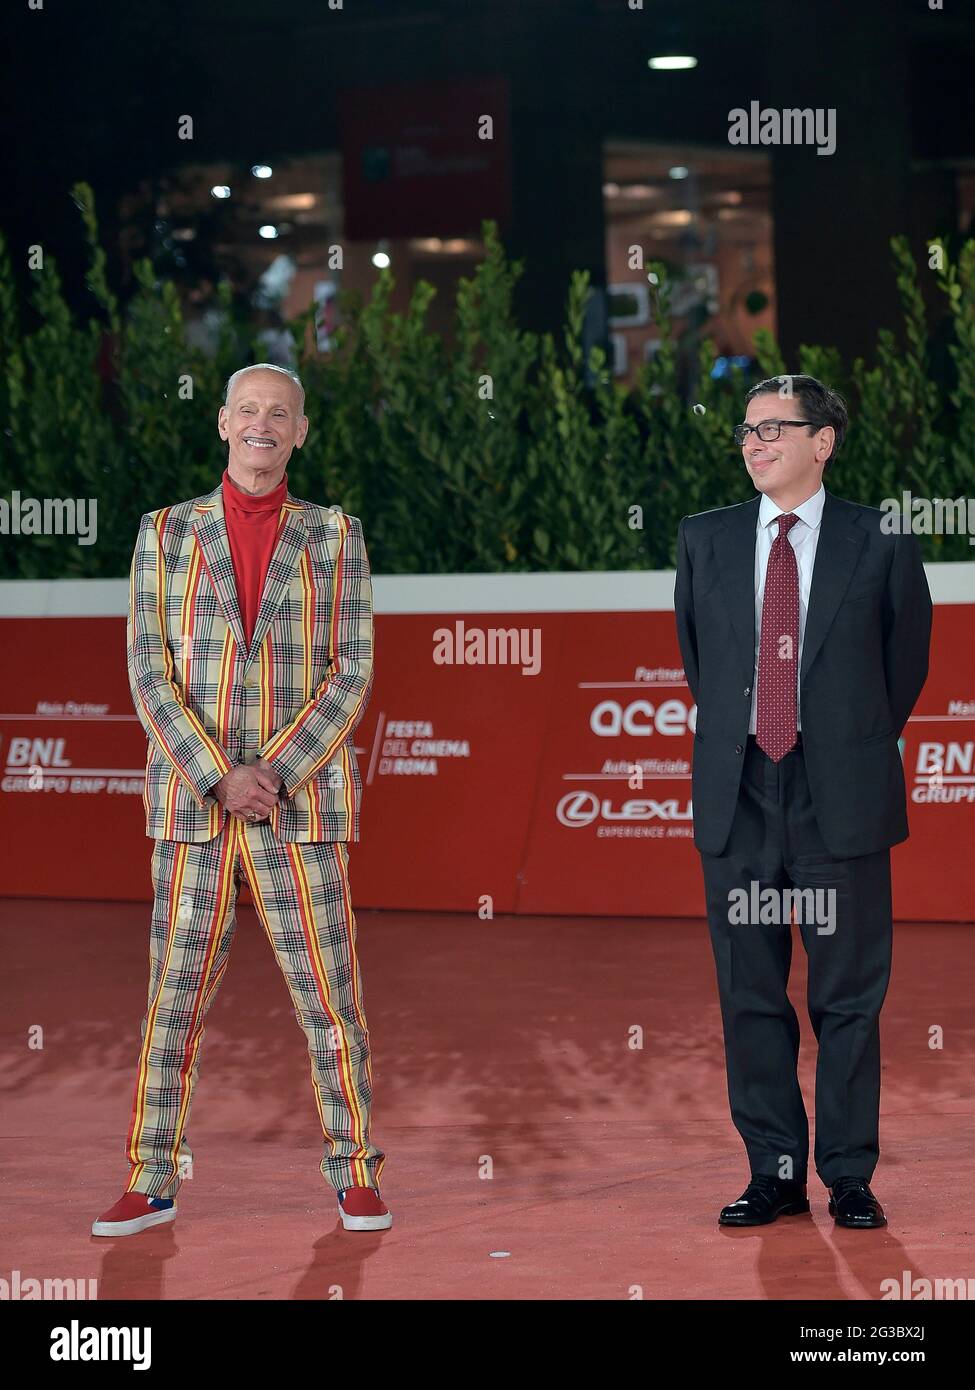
{"points": [[502, 1043]]}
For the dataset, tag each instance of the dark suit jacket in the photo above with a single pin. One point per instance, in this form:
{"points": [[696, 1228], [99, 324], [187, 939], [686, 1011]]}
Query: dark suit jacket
{"points": [[864, 661]]}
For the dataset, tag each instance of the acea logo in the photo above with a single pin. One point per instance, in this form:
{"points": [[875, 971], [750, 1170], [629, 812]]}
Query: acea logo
{"points": [[581, 808], [641, 718]]}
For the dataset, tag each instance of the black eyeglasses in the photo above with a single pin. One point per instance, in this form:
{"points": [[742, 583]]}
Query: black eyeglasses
{"points": [[767, 430]]}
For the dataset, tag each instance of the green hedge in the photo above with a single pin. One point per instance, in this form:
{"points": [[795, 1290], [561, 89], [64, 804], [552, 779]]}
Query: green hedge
{"points": [[489, 454]]}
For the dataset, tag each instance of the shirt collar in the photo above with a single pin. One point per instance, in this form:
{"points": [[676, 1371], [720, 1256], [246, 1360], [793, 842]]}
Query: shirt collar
{"points": [[235, 500], [810, 511]]}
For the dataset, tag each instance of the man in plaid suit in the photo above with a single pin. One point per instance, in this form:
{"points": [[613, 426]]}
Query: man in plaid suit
{"points": [[250, 657]]}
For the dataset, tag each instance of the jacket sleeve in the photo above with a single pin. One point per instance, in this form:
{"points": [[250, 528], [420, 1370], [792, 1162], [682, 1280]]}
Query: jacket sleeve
{"points": [[907, 629], [300, 750], [684, 610], [158, 700]]}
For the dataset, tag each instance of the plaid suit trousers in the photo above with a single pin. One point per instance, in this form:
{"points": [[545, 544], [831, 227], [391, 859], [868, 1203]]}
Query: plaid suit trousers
{"points": [[303, 899]]}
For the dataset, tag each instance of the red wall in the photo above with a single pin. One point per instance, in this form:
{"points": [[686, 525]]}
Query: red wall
{"points": [[530, 816]]}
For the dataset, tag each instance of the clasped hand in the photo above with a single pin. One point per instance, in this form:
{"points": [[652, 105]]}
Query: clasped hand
{"points": [[249, 791]]}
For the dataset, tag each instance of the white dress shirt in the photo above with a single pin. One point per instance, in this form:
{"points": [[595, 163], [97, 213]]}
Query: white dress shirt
{"points": [[803, 537]]}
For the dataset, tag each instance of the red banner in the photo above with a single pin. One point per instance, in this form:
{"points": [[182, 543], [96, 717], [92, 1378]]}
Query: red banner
{"points": [[425, 156], [551, 775]]}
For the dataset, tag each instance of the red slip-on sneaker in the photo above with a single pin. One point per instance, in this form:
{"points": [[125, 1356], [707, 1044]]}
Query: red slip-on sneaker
{"points": [[362, 1209], [132, 1213]]}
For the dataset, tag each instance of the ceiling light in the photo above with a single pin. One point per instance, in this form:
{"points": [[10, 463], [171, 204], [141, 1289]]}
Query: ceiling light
{"points": [[292, 202], [672, 62], [676, 217]]}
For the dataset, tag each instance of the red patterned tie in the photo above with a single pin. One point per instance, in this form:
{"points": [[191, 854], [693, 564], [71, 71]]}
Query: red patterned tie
{"points": [[778, 649]]}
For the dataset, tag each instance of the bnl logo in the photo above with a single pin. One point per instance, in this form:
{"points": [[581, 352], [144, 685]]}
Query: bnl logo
{"points": [[37, 752]]}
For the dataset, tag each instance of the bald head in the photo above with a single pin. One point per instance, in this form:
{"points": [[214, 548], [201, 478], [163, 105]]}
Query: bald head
{"points": [[262, 421], [242, 372]]}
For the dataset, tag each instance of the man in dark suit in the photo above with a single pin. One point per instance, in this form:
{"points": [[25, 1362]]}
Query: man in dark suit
{"points": [[804, 630]]}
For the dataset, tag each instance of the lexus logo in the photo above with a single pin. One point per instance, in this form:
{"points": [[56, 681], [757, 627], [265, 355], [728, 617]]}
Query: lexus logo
{"points": [[582, 808], [577, 808]]}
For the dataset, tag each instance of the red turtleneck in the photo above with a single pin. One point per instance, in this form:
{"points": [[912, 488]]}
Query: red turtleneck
{"points": [[252, 530]]}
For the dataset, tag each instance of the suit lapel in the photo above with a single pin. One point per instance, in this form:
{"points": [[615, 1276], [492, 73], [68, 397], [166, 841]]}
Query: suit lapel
{"points": [[734, 548], [837, 553], [211, 534], [291, 543]]}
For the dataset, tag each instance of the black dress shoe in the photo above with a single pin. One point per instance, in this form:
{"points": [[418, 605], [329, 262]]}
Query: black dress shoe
{"points": [[763, 1200], [851, 1203]]}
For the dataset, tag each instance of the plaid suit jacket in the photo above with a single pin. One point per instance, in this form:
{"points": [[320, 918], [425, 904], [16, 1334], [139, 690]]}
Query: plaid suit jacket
{"points": [[208, 702]]}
